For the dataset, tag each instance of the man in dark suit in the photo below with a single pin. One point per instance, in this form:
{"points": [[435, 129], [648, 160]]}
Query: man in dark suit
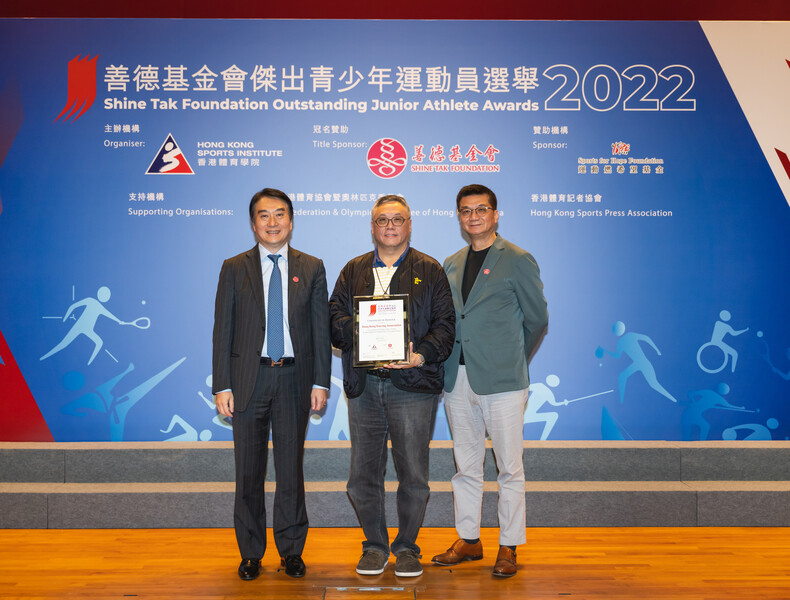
{"points": [[271, 365]]}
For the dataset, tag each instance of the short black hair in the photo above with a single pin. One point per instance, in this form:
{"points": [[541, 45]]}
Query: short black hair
{"points": [[475, 189], [271, 193]]}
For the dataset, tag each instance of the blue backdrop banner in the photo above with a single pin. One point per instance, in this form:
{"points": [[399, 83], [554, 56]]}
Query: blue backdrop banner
{"points": [[644, 165]]}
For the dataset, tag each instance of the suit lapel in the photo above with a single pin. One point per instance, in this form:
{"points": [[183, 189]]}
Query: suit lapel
{"points": [[253, 266], [458, 279], [295, 283], [483, 277]]}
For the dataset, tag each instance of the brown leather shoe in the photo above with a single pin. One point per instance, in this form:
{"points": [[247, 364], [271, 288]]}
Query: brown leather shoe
{"points": [[505, 565], [459, 552]]}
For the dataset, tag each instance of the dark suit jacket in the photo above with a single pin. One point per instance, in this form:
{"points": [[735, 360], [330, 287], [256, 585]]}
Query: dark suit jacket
{"points": [[240, 324]]}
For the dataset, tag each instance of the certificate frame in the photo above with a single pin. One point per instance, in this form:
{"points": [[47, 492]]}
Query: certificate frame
{"points": [[381, 330]]}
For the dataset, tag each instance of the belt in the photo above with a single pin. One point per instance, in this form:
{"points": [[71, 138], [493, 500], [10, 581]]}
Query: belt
{"points": [[283, 362], [380, 373]]}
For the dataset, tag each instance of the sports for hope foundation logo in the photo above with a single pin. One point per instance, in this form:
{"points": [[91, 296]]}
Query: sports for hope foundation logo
{"points": [[386, 158]]}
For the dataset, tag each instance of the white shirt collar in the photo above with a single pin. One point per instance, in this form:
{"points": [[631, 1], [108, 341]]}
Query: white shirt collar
{"points": [[283, 252]]}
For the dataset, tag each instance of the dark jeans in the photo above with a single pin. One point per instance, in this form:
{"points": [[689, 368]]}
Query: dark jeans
{"points": [[408, 418]]}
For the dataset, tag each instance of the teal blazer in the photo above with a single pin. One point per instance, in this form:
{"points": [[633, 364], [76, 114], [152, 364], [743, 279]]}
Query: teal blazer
{"points": [[502, 321]]}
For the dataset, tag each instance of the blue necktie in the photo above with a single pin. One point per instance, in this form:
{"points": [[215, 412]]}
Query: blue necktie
{"points": [[274, 313]]}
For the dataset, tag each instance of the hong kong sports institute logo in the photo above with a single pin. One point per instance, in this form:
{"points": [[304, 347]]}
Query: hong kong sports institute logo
{"points": [[387, 158], [170, 160]]}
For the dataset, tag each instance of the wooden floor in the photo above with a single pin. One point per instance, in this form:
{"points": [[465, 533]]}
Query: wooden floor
{"points": [[565, 563]]}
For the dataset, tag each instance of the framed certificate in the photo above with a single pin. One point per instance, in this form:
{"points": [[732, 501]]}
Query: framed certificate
{"points": [[381, 330]]}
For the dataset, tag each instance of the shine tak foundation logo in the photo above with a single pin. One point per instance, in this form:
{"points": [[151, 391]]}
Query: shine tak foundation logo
{"points": [[387, 158], [81, 87]]}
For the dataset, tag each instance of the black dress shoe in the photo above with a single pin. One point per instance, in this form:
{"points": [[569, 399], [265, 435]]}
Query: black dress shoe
{"points": [[249, 569], [294, 565]]}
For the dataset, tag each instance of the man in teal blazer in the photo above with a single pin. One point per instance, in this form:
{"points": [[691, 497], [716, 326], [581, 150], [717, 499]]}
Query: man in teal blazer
{"points": [[500, 319]]}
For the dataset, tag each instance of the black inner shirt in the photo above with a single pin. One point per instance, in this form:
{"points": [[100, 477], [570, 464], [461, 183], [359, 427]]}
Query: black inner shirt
{"points": [[474, 261]]}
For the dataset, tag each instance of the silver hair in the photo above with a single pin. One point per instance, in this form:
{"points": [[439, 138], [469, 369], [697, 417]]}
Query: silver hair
{"points": [[390, 198]]}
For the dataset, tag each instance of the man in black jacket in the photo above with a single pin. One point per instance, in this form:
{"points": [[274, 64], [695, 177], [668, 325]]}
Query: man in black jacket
{"points": [[399, 399]]}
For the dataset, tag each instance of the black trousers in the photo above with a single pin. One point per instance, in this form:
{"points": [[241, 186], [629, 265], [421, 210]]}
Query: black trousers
{"points": [[276, 407]]}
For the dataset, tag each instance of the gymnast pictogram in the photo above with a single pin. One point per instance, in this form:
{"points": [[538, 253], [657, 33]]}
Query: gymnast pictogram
{"points": [[105, 400]]}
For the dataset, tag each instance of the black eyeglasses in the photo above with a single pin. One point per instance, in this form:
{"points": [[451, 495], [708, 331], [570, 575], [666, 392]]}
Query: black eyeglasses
{"points": [[384, 221], [480, 211]]}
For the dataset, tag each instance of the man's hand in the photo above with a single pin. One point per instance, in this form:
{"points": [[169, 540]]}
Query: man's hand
{"points": [[224, 402], [318, 398], [415, 360]]}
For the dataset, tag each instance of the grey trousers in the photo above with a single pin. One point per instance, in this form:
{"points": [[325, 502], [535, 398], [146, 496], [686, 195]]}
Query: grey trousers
{"points": [[470, 415]]}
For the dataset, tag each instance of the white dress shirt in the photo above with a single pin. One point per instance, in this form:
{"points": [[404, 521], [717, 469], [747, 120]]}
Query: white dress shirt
{"points": [[267, 266]]}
